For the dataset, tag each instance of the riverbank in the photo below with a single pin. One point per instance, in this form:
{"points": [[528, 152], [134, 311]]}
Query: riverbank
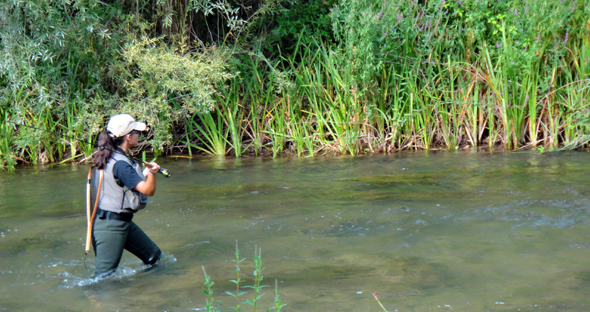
{"points": [[384, 78]]}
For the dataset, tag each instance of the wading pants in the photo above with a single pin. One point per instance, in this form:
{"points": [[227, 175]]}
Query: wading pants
{"points": [[109, 239]]}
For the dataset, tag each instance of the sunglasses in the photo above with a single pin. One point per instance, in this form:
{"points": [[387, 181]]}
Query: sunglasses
{"points": [[134, 132]]}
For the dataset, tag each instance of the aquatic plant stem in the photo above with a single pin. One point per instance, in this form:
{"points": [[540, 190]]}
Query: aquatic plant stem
{"points": [[258, 277], [208, 291], [278, 306], [237, 281], [376, 295]]}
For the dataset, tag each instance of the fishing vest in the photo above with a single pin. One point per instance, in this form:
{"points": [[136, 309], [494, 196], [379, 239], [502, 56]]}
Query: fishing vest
{"points": [[114, 196]]}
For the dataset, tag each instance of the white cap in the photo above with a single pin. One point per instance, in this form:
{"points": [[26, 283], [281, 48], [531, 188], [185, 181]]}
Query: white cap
{"points": [[120, 125]]}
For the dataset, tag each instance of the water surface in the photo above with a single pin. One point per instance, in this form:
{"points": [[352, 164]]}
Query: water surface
{"points": [[427, 231]]}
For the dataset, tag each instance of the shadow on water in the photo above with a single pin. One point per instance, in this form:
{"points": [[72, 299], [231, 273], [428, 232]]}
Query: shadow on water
{"points": [[442, 230]]}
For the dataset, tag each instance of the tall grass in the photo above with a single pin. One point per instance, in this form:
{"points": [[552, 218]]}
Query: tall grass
{"points": [[326, 111], [322, 109], [7, 159]]}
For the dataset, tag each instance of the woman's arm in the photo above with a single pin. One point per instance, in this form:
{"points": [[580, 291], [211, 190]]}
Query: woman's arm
{"points": [[148, 187]]}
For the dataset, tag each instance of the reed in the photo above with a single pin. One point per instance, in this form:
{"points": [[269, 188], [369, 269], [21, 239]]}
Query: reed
{"points": [[462, 104], [233, 116], [211, 133], [257, 117], [7, 159]]}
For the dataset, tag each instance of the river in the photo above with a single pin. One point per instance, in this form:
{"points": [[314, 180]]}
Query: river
{"points": [[428, 231]]}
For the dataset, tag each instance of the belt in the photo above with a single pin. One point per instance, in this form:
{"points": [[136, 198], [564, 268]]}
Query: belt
{"points": [[102, 214]]}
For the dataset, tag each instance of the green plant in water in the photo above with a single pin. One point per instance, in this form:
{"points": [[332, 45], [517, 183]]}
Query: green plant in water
{"points": [[278, 305], [276, 130], [232, 114], [259, 102], [376, 295], [258, 277], [211, 131], [257, 287], [208, 291], [237, 281], [7, 160]]}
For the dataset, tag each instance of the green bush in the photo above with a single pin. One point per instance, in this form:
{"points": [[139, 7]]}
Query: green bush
{"points": [[163, 86], [300, 22], [373, 32]]}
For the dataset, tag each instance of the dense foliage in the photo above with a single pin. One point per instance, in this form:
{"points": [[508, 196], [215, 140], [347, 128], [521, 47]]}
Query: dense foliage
{"points": [[314, 76]]}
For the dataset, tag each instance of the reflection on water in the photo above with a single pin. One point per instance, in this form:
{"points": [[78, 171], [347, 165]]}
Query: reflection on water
{"points": [[428, 231]]}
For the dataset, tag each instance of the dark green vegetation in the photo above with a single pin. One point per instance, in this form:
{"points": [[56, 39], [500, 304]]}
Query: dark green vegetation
{"points": [[313, 77]]}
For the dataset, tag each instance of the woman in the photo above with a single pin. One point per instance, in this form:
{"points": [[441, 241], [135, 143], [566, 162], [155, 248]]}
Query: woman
{"points": [[124, 191]]}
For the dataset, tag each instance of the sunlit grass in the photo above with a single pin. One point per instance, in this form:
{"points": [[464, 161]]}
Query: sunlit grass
{"points": [[311, 104]]}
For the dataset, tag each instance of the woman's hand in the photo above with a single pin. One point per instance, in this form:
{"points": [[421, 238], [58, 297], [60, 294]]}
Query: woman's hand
{"points": [[150, 168]]}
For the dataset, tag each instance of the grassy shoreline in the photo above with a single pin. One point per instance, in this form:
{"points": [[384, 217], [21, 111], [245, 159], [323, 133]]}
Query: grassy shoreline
{"points": [[319, 119], [324, 112], [394, 76]]}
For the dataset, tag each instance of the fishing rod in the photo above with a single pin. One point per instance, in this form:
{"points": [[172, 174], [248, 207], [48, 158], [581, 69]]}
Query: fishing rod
{"points": [[162, 171]]}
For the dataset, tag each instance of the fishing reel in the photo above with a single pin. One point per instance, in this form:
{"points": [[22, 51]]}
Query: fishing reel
{"points": [[164, 172]]}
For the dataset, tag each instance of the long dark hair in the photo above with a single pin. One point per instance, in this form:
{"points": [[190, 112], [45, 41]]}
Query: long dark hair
{"points": [[106, 145]]}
